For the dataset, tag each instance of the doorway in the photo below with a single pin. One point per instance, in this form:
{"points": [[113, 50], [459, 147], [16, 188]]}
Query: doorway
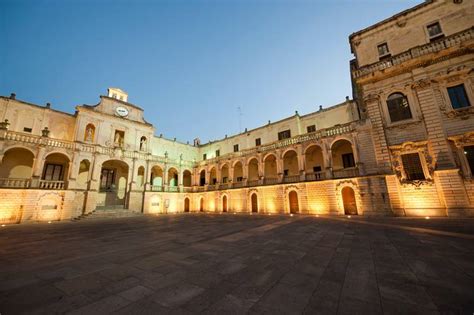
{"points": [[224, 203], [186, 204], [349, 201], [254, 201], [293, 198]]}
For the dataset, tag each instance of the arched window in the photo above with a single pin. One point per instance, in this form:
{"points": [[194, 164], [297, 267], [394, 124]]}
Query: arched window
{"points": [[89, 133], [398, 107]]}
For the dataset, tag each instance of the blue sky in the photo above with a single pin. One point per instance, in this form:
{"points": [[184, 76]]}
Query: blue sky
{"points": [[188, 64]]}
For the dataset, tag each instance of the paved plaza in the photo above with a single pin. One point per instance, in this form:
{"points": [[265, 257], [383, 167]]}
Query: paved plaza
{"points": [[218, 264]]}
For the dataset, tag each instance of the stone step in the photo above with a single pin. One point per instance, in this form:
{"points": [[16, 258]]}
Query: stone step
{"points": [[108, 214]]}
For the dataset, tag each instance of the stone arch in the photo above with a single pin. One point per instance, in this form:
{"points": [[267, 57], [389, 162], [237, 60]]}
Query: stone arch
{"points": [[83, 174], [201, 204], [187, 204], [17, 162], [114, 182], [49, 207], [173, 177], [340, 188], [55, 169], [292, 199], [140, 176], [290, 163], [314, 160], [156, 177], [224, 173], [270, 166], [213, 176], [253, 173], [187, 178], [342, 154], [238, 171], [202, 177]]}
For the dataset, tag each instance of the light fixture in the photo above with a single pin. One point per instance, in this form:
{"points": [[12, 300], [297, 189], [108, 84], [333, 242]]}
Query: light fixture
{"points": [[348, 216], [427, 218], [49, 222], [3, 225]]}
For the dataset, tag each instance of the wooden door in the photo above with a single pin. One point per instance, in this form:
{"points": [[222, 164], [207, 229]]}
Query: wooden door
{"points": [[254, 203], [349, 201], [293, 196], [186, 205], [224, 204], [201, 205]]}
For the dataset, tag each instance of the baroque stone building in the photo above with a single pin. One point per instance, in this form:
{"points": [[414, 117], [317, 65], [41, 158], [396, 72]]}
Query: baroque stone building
{"points": [[404, 146]]}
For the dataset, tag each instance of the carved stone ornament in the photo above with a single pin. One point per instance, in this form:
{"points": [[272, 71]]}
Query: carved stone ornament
{"points": [[421, 84], [463, 140], [401, 22], [411, 147], [462, 113]]}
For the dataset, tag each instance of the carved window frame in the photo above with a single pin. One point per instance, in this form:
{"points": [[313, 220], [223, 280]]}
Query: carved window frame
{"points": [[407, 148], [412, 104]]}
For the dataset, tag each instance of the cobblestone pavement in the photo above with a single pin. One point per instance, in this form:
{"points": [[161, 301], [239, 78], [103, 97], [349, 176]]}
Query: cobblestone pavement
{"points": [[234, 264]]}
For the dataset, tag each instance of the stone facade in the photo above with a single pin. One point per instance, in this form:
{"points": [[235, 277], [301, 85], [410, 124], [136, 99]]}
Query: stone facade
{"points": [[404, 146]]}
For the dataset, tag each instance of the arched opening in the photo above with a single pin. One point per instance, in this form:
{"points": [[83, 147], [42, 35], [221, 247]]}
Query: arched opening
{"points": [[290, 166], [83, 175], [224, 203], [140, 176], [113, 183], [254, 201], [156, 178], [202, 178], [342, 158], [225, 174], [89, 133], [398, 107], [187, 178], [213, 176], [16, 168], [201, 205], [238, 172], [270, 169], [55, 170], [186, 204], [349, 201], [314, 163], [253, 170], [293, 199], [172, 177], [143, 143]]}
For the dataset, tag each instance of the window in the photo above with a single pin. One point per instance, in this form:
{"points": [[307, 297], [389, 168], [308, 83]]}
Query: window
{"points": [[240, 178], [224, 179], [284, 134], [53, 172], [311, 128], [285, 172], [27, 129], [258, 142], [434, 31], [107, 178], [398, 107], [348, 160], [204, 157], [218, 153], [412, 166], [236, 148], [383, 50], [458, 96], [469, 152], [317, 169]]}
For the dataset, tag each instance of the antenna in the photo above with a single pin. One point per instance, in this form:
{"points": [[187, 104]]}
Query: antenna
{"points": [[239, 111]]}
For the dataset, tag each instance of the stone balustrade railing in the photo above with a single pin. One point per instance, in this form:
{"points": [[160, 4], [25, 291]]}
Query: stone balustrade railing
{"points": [[415, 52], [322, 133], [92, 148], [52, 184], [15, 182]]}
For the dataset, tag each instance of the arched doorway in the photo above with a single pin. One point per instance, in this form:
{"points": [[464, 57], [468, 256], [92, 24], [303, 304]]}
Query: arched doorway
{"points": [[349, 201], [224, 203], [254, 201], [201, 205], [114, 182], [186, 204], [293, 199]]}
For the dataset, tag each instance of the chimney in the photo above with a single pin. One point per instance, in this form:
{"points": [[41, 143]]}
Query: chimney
{"points": [[320, 107], [12, 96], [48, 105]]}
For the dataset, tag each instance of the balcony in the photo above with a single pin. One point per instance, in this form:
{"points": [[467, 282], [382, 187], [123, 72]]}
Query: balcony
{"points": [[156, 188], [238, 184], [172, 189], [271, 181], [253, 183], [224, 186], [345, 172], [211, 187], [15, 182], [52, 184], [291, 179], [315, 176], [187, 189], [415, 52]]}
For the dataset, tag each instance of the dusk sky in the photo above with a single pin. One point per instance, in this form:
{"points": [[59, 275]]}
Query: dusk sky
{"points": [[188, 64]]}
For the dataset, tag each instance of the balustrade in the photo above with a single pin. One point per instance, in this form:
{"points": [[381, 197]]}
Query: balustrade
{"points": [[270, 180], [346, 172], [15, 182], [291, 179], [51, 184], [315, 176]]}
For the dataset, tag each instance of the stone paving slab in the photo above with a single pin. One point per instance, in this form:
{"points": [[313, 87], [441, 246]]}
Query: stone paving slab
{"points": [[236, 264]]}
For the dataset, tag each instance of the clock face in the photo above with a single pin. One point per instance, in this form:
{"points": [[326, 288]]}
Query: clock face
{"points": [[121, 111]]}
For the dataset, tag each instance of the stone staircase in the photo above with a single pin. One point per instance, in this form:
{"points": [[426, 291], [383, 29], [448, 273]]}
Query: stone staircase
{"points": [[108, 212]]}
